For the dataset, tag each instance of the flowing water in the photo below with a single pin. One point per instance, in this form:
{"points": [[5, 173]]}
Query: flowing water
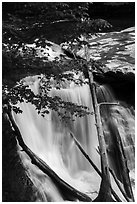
{"points": [[49, 138], [118, 119]]}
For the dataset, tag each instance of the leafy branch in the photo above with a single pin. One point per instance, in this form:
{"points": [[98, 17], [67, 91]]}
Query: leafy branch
{"points": [[43, 102], [67, 190]]}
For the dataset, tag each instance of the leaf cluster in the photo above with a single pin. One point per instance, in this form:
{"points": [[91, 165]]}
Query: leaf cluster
{"points": [[56, 21], [22, 23], [47, 11], [43, 101]]}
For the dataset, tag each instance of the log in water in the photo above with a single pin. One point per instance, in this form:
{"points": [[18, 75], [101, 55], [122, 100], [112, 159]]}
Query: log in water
{"points": [[49, 138]]}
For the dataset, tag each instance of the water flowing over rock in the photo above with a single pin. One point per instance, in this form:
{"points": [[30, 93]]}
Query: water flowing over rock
{"points": [[49, 138], [68, 100], [116, 50]]}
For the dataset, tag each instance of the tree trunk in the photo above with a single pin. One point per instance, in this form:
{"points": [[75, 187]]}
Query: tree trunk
{"points": [[95, 167], [105, 187], [68, 192]]}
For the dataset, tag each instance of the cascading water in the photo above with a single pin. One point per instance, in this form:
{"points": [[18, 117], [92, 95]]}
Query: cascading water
{"points": [[118, 119], [49, 138], [124, 120]]}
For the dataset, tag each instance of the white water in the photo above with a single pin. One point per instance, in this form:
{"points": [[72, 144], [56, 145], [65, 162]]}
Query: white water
{"points": [[124, 120], [50, 139], [118, 117]]}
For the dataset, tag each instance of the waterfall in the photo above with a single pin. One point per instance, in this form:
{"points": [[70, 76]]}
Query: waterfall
{"points": [[118, 119], [123, 118], [49, 138]]}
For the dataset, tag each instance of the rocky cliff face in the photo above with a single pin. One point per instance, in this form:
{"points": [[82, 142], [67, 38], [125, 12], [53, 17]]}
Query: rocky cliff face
{"points": [[116, 51], [16, 185]]}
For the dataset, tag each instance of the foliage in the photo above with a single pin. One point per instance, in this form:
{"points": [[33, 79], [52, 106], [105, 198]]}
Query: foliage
{"points": [[26, 21], [23, 23], [41, 11], [42, 101], [58, 21], [59, 71]]}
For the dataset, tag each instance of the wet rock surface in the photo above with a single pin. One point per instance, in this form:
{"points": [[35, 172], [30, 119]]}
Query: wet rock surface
{"points": [[122, 85], [116, 50], [16, 186]]}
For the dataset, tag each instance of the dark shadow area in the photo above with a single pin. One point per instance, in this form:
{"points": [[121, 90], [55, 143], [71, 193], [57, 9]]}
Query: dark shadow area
{"points": [[120, 15], [123, 85]]}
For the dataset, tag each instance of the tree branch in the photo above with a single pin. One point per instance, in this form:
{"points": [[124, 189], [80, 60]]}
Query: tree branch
{"points": [[92, 163], [68, 192], [118, 184], [105, 188]]}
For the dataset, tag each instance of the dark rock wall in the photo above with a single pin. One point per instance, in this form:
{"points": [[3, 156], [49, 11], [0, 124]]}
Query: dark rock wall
{"points": [[120, 15], [16, 186], [122, 85]]}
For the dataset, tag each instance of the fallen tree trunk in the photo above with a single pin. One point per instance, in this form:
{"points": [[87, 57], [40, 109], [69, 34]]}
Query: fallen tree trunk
{"points": [[105, 187], [93, 165], [68, 192], [104, 162], [118, 184]]}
